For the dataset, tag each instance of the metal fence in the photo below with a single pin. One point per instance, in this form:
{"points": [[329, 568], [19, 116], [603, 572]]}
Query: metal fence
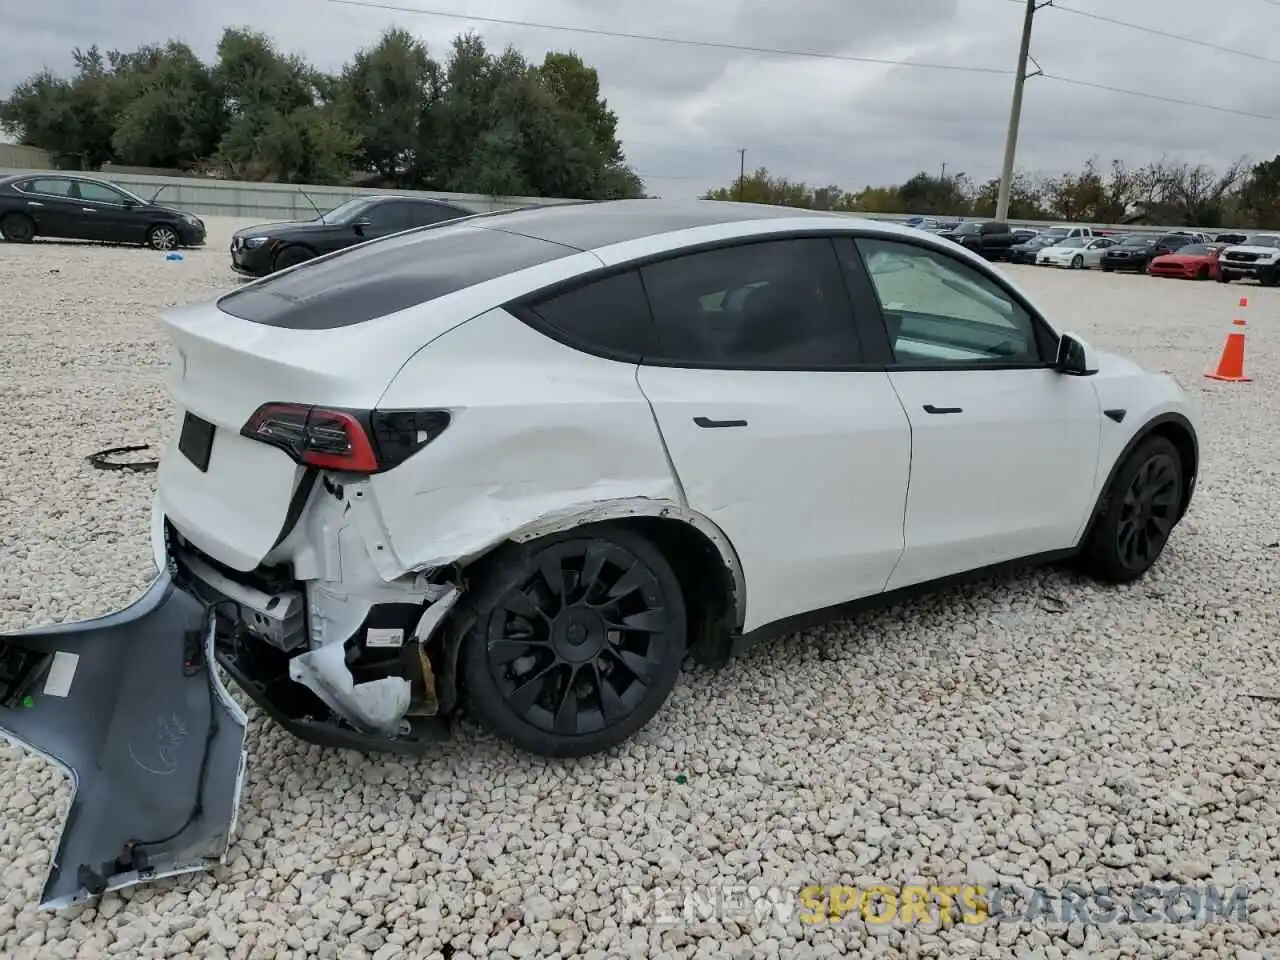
{"points": [[206, 196]]}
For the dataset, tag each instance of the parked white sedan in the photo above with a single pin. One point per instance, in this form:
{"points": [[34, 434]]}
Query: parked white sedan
{"points": [[1075, 253], [526, 462]]}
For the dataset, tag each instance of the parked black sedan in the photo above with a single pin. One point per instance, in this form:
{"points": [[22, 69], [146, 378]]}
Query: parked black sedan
{"points": [[1025, 252], [83, 208], [263, 249]]}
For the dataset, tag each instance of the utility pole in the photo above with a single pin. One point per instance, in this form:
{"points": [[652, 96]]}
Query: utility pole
{"points": [[742, 170], [943, 178], [1015, 112]]}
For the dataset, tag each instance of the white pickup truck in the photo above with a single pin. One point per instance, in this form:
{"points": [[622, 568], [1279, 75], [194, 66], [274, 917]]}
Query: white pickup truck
{"points": [[1066, 232], [1258, 257]]}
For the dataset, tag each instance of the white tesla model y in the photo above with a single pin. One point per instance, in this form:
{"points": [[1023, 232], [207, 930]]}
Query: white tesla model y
{"points": [[527, 461]]}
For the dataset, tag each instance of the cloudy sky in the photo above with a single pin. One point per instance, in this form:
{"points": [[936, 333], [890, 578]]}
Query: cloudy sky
{"points": [[686, 110]]}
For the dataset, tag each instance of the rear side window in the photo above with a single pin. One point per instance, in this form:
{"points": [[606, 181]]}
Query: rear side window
{"points": [[423, 214], [380, 277], [608, 317], [53, 188], [770, 305]]}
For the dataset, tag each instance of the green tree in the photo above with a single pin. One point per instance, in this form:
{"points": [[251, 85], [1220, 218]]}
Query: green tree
{"points": [[1259, 199], [381, 96], [173, 115]]}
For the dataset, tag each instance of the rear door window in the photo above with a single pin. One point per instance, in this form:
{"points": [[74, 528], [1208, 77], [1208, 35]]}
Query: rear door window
{"points": [[422, 213], [768, 305], [49, 186]]}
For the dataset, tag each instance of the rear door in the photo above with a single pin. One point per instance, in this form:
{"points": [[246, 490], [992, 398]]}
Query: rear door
{"points": [[778, 432], [129, 706], [423, 213], [387, 217], [48, 201], [1004, 448]]}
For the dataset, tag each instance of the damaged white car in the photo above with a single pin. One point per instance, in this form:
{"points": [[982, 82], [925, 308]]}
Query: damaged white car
{"points": [[540, 456]]}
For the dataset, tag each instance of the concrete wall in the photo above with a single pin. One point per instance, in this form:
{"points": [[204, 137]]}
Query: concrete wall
{"points": [[205, 196], [274, 201], [24, 158]]}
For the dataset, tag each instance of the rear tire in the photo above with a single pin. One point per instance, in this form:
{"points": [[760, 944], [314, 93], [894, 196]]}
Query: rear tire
{"points": [[563, 669], [1223, 278], [17, 228], [292, 256], [1139, 511]]}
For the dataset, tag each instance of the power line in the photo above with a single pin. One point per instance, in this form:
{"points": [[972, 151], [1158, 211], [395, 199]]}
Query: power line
{"points": [[680, 41], [1160, 97], [810, 54], [1155, 31]]}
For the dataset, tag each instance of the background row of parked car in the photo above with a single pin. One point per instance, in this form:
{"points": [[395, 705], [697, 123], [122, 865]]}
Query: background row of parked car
{"points": [[1184, 254]]}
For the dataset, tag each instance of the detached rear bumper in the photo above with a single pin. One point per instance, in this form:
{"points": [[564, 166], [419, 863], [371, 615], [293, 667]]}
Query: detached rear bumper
{"points": [[130, 707]]}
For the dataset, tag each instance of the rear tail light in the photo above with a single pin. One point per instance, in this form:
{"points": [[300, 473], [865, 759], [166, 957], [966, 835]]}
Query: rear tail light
{"points": [[353, 441]]}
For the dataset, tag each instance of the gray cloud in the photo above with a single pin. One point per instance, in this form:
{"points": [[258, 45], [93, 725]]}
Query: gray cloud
{"points": [[685, 111]]}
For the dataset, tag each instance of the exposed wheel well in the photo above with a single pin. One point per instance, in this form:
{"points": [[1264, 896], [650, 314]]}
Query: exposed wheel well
{"points": [[709, 594], [709, 587], [1188, 456]]}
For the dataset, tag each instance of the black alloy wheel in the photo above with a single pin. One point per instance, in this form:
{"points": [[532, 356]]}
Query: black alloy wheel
{"points": [[1148, 511], [1139, 512], [579, 645]]}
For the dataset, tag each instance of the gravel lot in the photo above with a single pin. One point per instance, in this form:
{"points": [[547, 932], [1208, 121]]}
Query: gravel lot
{"points": [[1037, 729]]}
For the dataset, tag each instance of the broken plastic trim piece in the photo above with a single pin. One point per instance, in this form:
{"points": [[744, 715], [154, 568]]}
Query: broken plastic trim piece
{"points": [[376, 706], [131, 708]]}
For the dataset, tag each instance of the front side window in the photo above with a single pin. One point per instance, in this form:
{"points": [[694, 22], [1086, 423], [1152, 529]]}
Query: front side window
{"points": [[777, 305], [939, 311], [97, 193]]}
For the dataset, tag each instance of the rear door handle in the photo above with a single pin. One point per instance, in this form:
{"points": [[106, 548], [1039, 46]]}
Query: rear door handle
{"points": [[34, 203], [709, 423], [930, 408], [88, 210]]}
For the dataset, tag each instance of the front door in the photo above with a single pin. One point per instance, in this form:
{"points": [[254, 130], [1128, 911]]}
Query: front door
{"points": [[108, 214], [776, 430], [1004, 449]]}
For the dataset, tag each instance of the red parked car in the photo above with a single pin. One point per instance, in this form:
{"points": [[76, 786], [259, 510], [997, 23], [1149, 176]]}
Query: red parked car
{"points": [[1196, 261]]}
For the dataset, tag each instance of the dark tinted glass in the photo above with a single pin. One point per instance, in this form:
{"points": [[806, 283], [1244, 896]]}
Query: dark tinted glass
{"points": [[391, 214], [51, 187], [776, 305], [383, 276], [608, 317], [422, 213]]}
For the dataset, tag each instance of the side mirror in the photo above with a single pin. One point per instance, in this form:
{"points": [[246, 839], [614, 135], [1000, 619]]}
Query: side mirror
{"points": [[1074, 358], [359, 225], [129, 204]]}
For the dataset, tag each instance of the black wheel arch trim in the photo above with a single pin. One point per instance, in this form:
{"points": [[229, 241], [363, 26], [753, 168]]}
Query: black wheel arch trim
{"points": [[1140, 435]]}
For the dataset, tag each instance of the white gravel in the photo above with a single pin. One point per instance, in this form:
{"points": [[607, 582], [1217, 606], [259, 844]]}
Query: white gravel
{"points": [[1038, 728]]}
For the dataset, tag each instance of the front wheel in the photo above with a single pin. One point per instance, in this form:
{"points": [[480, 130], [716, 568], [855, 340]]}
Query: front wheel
{"points": [[162, 237], [1223, 278], [1077, 262], [1202, 273], [292, 256], [1139, 510], [577, 641]]}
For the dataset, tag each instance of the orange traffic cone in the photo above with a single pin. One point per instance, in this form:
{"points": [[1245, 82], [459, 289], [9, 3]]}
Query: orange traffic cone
{"points": [[1231, 363]]}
